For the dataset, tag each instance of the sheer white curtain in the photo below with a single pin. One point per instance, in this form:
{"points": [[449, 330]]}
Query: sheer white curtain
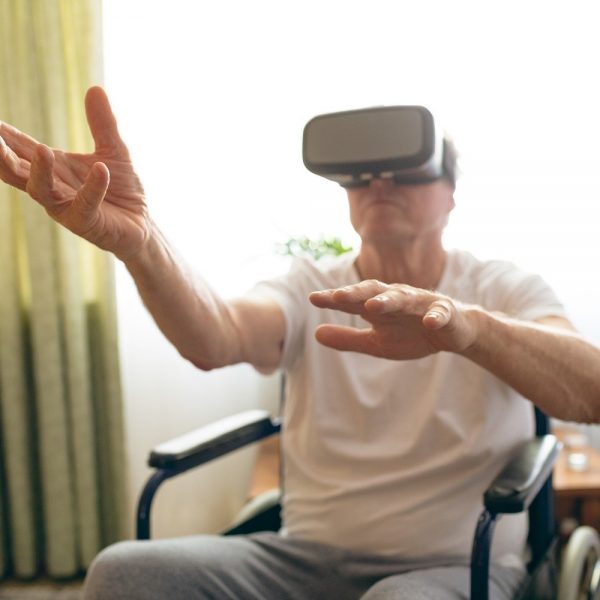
{"points": [[212, 98]]}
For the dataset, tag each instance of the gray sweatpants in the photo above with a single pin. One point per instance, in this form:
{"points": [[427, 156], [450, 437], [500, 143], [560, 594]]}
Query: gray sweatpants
{"points": [[266, 566]]}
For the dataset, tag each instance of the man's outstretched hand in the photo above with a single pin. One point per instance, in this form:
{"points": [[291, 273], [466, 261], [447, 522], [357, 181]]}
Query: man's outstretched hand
{"points": [[98, 196], [406, 322]]}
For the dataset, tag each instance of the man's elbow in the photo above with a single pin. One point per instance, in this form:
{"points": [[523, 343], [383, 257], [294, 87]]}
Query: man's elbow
{"points": [[209, 365], [592, 411], [202, 364], [591, 399], [206, 362], [583, 409]]}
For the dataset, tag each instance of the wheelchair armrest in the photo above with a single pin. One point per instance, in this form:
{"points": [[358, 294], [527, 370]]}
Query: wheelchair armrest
{"points": [[517, 485], [196, 448], [213, 440]]}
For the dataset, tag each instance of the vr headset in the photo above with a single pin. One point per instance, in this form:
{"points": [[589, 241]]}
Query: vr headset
{"points": [[392, 142]]}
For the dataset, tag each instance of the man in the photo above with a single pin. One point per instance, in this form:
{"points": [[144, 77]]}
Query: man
{"points": [[385, 461]]}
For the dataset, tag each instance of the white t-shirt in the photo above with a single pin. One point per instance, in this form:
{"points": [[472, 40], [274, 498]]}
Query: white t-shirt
{"points": [[393, 457]]}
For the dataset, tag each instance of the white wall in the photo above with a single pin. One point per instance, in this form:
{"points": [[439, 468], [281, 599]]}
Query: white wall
{"points": [[212, 98], [166, 396]]}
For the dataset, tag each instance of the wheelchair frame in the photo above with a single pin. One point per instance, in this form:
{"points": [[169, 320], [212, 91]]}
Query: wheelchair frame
{"points": [[525, 483]]}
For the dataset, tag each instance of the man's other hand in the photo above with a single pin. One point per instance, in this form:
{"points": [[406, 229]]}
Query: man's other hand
{"points": [[406, 322], [97, 196]]}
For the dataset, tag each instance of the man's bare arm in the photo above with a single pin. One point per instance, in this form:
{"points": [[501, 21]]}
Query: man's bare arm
{"points": [[99, 197], [206, 329], [548, 362]]}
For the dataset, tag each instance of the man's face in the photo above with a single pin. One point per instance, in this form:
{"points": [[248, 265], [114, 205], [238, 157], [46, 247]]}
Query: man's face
{"points": [[385, 211]]}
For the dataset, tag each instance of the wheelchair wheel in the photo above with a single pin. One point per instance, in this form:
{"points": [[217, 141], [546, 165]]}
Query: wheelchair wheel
{"points": [[580, 566]]}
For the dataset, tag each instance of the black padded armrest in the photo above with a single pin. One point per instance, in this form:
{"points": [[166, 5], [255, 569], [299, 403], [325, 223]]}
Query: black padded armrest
{"points": [[521, 479], [211, 441]]}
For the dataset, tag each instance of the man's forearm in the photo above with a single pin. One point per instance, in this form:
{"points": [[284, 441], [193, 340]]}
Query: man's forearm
{"points": [[553, 367], [189, 313]]}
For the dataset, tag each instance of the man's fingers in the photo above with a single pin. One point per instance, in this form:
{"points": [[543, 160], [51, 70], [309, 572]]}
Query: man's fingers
{"points": [[103, 124], [398, 298], [372, 298], [41, 179], [21, 143], [357, 293], [438, 315], [324, 300], [321, 299], [345, 338], [375, 298], [13, 170], [92, 192]]}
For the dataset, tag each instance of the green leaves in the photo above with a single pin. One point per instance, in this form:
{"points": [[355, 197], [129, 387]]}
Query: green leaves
{"points": [[316, 249]]}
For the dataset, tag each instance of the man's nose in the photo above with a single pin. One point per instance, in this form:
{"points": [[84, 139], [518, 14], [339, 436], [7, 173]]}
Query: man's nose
{"points": [[380, 183]]}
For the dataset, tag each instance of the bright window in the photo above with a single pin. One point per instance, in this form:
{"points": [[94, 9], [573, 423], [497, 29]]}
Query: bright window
{"points": [[212, 98]]}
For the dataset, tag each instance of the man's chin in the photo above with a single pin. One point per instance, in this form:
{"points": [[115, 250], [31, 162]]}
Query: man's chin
{"points": [[386, 234]]}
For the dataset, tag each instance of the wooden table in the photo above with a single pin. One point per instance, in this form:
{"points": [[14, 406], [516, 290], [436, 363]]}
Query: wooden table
{"points": [[577, 493]]}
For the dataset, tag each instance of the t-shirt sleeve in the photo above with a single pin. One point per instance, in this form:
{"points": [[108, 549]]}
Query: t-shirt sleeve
{"points": [[291, 292], [534, 299], [520, 294]]}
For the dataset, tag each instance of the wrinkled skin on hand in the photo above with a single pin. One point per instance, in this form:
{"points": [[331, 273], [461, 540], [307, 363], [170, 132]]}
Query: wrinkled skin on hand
{"points": [[406, 322], [97, 196]]}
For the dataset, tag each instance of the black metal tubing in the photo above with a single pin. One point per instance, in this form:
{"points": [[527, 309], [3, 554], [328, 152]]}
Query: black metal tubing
{"points": [[480, 558], [171, 466], [542, 525], [522, 486], [542, 423], [145, 501]]}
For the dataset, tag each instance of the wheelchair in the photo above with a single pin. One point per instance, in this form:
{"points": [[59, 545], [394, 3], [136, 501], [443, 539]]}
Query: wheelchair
{"points": [[525, 483]]}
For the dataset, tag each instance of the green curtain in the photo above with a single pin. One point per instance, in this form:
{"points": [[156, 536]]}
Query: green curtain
{"points": [[62, 479]]}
